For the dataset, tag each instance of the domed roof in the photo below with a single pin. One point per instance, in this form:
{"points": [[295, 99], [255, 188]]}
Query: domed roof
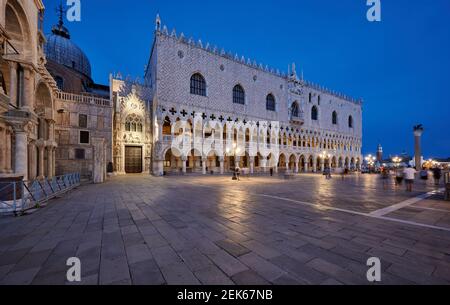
{"points": [[60, 49]]}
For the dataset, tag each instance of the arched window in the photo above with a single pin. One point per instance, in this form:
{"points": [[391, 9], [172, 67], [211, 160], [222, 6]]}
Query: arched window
{"points": [[314, 113], [270, 103], [198, 84], [335, 118], [133, 123], [238, 95], [295, 110], [350, 122]]}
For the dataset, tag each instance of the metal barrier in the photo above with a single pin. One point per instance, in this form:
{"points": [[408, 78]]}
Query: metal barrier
{"points": [[17, 197]]}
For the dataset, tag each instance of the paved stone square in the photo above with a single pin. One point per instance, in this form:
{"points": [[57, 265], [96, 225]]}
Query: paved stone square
{"points": [[212, 230]]}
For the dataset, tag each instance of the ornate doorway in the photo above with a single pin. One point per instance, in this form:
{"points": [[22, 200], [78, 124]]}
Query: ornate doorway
{"points": [[133, 159]]}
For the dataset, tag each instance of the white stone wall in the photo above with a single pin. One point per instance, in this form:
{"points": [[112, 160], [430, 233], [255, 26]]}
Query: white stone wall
{"points": [[175, 59], [173, 87]]}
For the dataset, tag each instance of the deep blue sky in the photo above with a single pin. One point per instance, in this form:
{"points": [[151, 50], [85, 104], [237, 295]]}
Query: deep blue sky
{"points": [[399, 66]]}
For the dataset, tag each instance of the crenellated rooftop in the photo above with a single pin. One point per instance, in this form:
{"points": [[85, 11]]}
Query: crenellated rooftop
{"points": [[249, 62]]}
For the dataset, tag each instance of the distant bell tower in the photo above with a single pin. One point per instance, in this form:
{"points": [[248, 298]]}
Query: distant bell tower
{"points": [[380, 153]]}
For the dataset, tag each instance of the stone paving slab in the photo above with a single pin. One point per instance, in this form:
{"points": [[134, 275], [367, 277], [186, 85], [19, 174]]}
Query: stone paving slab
{"points": [[265, 230]]}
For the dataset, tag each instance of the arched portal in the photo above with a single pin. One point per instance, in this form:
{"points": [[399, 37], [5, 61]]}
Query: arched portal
{"points": [[172, 162], [333, 162], [311, 163], [194, 161], [302, 163], [282, 162], [292, 162]]}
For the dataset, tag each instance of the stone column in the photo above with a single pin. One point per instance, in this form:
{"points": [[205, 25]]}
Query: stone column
{"points": [[418, 131], [306, 167], [296, 167], [41, 151], [314, 165], [99, 173], [51, 130], [28, 89], [2, 150], [263, 164], [322, 165], [160, 129], [49, 151], [252, 165], [13, 82], [32, 161], [8, 156], [54, 162], [287, 166], [21, 160], [183, 161], [204, 160], [221, 160]]}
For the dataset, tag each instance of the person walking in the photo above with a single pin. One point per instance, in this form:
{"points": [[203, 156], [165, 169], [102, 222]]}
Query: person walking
{"points": [[328, 172], [238, 173], [385, 178], [409, 174], [398, 177], [437, 174]]}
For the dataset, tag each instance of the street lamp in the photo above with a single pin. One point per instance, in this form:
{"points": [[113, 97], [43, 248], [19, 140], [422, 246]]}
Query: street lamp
{"points": [[370, 160], [396, 161]]}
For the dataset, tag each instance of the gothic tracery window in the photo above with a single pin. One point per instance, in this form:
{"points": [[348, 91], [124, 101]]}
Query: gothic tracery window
{"points": [[334, 118], [350, 122], [198, 84], [133, 123], [238, 95], [314, 113], [270, 103]]}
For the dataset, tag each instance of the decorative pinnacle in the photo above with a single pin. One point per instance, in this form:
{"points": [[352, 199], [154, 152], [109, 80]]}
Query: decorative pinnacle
{"points": [[158, 23]]}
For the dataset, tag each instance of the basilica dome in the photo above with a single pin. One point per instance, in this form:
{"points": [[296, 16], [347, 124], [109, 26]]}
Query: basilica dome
{"points": [[60, 49]]}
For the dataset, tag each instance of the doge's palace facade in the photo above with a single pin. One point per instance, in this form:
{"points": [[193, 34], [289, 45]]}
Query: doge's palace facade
{"points": [[201, 94], [224, 103]]}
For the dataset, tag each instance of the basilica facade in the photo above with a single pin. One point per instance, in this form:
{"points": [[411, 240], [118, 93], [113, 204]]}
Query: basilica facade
{"points": [[239, 102], [27, 91]]}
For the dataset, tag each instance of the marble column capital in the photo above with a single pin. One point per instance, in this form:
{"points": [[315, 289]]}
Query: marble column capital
{"points": [[40, 144]]}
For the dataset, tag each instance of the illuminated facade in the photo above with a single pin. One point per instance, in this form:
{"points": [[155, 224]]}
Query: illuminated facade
{"points": [[188, 79]]}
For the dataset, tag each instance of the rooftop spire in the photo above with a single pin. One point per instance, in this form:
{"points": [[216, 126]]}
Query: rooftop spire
{"points": [[60, 29], [158, 23]]}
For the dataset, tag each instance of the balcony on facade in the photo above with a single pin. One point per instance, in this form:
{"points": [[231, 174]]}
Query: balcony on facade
{"points": [[83, 99]]}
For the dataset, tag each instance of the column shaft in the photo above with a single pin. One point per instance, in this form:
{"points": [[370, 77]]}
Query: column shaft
{"points": [[49, 162], [28, 89], [41, 150], [13, 83], [21, 160], [2, 150]]}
